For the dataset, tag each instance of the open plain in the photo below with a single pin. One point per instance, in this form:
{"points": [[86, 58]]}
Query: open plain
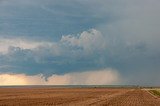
{"points": [[48, 96]]}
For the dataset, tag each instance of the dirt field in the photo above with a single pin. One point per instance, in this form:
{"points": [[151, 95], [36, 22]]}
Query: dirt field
{"points": [[76, 97]]}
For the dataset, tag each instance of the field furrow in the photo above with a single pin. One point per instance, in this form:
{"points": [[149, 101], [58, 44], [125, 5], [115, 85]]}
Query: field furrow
{"points": [[76, 97]]}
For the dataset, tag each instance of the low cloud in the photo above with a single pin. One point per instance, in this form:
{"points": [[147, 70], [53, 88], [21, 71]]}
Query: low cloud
{"points": [[89, 50], [98, 77], [7, 43], [79, 52]]}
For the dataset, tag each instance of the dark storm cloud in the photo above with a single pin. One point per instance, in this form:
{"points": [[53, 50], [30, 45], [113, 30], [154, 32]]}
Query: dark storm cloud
{"points": [[125, 37]]}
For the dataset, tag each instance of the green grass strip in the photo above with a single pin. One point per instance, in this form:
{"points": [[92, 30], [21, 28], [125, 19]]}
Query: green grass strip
{"points": [[155, 92]]}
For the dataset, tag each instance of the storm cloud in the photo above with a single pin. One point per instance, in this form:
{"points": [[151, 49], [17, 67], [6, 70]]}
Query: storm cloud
{"points": [[55, 37]]}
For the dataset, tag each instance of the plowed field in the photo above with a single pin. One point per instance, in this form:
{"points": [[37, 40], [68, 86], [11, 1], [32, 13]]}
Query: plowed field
{"points": [[76, 97]]}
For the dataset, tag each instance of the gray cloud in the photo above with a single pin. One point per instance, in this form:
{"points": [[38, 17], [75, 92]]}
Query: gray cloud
{"points": [[71, 53], [134, 38], [126, 37]]}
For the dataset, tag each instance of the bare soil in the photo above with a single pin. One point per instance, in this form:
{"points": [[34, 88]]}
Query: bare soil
{"points": [[76, 97]]}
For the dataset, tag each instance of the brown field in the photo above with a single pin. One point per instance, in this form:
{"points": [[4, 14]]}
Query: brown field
{"points": [[76, 97]]}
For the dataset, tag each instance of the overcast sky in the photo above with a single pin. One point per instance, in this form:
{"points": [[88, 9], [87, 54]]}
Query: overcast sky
{"points": [[79, 42]]}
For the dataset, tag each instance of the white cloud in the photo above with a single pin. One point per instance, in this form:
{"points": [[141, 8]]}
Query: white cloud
{"points": [[99, 77], [91, 41]]}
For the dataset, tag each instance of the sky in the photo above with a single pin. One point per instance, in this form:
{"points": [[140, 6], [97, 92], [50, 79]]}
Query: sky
{"points": [[69, 42]]}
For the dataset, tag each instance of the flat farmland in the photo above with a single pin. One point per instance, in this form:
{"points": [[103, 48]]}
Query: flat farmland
{"points": [[76, 97]]}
